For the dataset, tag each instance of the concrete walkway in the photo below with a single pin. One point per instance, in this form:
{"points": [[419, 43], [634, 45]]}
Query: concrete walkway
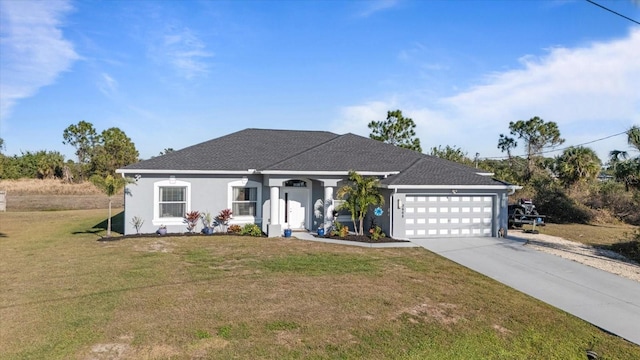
{"points": [[607, 301]]}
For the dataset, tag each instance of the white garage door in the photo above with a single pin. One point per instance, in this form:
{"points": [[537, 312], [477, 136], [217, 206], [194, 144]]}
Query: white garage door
{"points": [[447, 216]]}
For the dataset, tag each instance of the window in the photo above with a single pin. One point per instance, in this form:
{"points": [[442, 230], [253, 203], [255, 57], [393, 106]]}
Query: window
{"points": [[295, 183], [244, 201], [244, 198], [172, 201]]}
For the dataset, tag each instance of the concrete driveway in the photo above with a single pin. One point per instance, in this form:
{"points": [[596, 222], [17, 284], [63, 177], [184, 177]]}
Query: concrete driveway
{"points": [[608, 301]]}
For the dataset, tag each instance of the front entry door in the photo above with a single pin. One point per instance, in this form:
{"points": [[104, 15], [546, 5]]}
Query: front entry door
{"points": [[296, 208]]}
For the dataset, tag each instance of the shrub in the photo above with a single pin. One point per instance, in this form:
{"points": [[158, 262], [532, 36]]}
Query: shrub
{"points": [[554, 202], [137, 222], [251, 230], [223, 219], [207, 219], [376, 233], [235, 229], [339, 229], [224, 216], [191, 219]]}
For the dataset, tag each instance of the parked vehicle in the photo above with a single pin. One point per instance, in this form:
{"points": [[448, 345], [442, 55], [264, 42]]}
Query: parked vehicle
{"points": [[524, 212]]}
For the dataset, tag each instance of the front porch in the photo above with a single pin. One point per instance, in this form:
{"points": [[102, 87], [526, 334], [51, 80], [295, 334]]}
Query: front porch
{"points": [[299, 203]]}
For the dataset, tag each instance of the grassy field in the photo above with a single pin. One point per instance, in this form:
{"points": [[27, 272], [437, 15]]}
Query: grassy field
{"points": [[64, 295], [52, 194]]}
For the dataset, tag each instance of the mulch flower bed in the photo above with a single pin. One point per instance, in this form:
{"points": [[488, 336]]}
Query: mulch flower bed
{"points": [[154, 235], [357, 238], [362, 238]]}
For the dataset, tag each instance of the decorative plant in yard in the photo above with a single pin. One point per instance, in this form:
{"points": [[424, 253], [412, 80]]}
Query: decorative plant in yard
{"points": [[137, 222], [110, 186], [251, 230], [223, 219], [339, 229], [376, 233], [359, 196], [191, 219], [235, 229], [207, 222]]}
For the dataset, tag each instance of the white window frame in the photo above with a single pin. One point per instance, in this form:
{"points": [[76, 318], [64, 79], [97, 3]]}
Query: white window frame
{"points": [[157, 220], [246, 218]]}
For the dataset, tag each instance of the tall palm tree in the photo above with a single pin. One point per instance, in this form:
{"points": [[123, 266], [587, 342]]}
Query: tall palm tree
{"points": [[578, 164], [359, 196], [110, 186]]}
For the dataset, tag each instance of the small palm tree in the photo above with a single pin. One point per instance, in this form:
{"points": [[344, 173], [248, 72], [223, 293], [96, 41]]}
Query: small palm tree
{"points": [[359, 196], [110, 186], [625, 168]]}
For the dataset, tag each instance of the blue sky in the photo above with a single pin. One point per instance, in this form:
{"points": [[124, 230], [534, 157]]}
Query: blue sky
{"points": [[175, 73]]}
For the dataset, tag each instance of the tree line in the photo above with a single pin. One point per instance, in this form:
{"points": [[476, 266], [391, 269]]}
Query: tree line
{"points": [[572, 186], [97, 154]]}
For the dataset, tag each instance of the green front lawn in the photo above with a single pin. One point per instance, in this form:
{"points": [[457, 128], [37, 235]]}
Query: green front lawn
{"points": [[64, 295]]}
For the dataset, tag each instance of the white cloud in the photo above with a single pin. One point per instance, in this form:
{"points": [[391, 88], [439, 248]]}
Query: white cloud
{"points": [[354, 119], [33, 51], [375, 6], [571, 85], [590, 92], [108, 85], [184, 51]]}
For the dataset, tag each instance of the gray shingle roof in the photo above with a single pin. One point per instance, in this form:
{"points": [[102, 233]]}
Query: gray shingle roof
{"points": [[350, 152], [289, 150], [242, 150], [431, 170]]}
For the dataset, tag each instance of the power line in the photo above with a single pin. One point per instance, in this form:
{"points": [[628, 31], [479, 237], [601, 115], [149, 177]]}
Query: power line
{"points": [[560, 149], [617, 13]]}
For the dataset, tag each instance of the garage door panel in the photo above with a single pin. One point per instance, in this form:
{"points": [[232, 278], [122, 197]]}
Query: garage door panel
{"points": [[442, 216]]}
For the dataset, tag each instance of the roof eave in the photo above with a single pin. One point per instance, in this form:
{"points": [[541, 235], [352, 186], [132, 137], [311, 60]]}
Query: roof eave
{"points": [[447, 187], [195, 172], [324, 172]]}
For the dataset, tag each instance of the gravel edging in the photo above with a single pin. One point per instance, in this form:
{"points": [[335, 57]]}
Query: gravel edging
{"points": [[602, 259]]}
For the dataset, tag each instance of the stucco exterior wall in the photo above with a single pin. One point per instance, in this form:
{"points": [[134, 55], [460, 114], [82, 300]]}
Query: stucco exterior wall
{"points": [[206, 194]]}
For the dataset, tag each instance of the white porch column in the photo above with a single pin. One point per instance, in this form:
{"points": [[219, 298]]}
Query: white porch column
{"points": [[275, 201], [328, 207], [273, 229]]}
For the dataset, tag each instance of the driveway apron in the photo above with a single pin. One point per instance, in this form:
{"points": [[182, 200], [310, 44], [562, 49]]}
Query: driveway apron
{"points": [[606, 300]]}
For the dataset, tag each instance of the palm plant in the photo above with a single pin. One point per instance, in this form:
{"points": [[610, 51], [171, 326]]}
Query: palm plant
{"points": [[578, 164], [359, 195], [626, 169], [110, 186]]}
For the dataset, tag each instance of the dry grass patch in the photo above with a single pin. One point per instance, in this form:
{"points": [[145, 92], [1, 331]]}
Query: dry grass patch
{"points": [[65, 295], [47, 187], [51, 194], [589, 234]]}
